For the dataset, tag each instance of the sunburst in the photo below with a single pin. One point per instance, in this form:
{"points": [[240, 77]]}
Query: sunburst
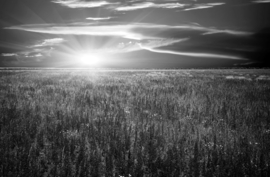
{"points": [[89, 59]]}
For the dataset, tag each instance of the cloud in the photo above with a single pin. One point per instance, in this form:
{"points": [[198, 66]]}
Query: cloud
{"points": [[244, 64], [178, 47], [98, 18], [161, 42], [82, 4], [144, 5], [132, 5], [262, 1], [102, 29], [193, 54], [188, 39], [37, 54], [136, 5], [204, 6], [154, 43], [136, 31], [181, 31], [8, 54], [232, 32], [49, 42]]}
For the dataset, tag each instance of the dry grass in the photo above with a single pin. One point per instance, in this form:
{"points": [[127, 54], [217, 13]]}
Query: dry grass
{"points": [[159, 123]]}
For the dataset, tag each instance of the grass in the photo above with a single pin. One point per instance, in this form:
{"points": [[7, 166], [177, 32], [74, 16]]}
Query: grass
{"points": [[134, 123]]}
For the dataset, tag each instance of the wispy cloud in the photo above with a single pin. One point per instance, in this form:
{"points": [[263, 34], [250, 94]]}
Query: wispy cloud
{"points": [[48, 42], [36, 54], [262, 1], [193, 54], [204, 6], [136, 31], [161, 42], [244, 64], [98, 18], [8, 54], [132, 5], [144, 5], [145, 36], [82, 4], [103, 29], [154, 43], [227, 31]]}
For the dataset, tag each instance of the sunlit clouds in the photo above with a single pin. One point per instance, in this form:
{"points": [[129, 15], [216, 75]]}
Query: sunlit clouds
{"points": [[144, 5], [184, 7], [132, 5], [82, 4], [48, 42], [98, 18], [142, 36], [64, 30], [262, 1], [161, 42], [38, 51], [153, 43], [192, 54], [37, 54], [119, 30], [136, 31], [8, 54], [204, 6]]}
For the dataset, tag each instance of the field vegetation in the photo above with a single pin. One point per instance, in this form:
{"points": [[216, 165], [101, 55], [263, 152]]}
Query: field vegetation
{"points": [[134, 123]]}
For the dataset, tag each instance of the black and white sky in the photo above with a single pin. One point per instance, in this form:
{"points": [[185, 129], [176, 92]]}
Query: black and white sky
{"points": [[134, 33]]}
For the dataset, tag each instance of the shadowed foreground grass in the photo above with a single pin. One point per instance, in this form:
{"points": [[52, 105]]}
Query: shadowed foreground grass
{"points": [[173, 123]]}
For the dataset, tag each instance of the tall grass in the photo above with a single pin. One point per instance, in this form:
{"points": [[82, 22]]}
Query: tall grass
{"points": [[72, 123]]}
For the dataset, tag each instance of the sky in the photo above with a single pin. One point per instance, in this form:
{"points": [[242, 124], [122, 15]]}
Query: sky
{"points": [[134, 33]]}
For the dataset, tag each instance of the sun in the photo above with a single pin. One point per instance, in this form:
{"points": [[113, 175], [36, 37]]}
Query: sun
{"points": [[89, 59]]}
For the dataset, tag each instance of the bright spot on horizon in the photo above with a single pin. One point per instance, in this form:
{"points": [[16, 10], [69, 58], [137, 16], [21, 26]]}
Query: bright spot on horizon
{"points": [[89, 59]]}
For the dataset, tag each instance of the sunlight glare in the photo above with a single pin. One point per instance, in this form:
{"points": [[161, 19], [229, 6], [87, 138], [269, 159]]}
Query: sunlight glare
{"points": [[89, 59]]}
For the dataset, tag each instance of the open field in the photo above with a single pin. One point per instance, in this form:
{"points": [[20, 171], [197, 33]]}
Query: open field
{"points": [[135, 123]]}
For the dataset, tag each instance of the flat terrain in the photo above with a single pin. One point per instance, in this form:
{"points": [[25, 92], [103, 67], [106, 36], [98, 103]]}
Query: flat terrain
{"points": [[135, 123]]}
